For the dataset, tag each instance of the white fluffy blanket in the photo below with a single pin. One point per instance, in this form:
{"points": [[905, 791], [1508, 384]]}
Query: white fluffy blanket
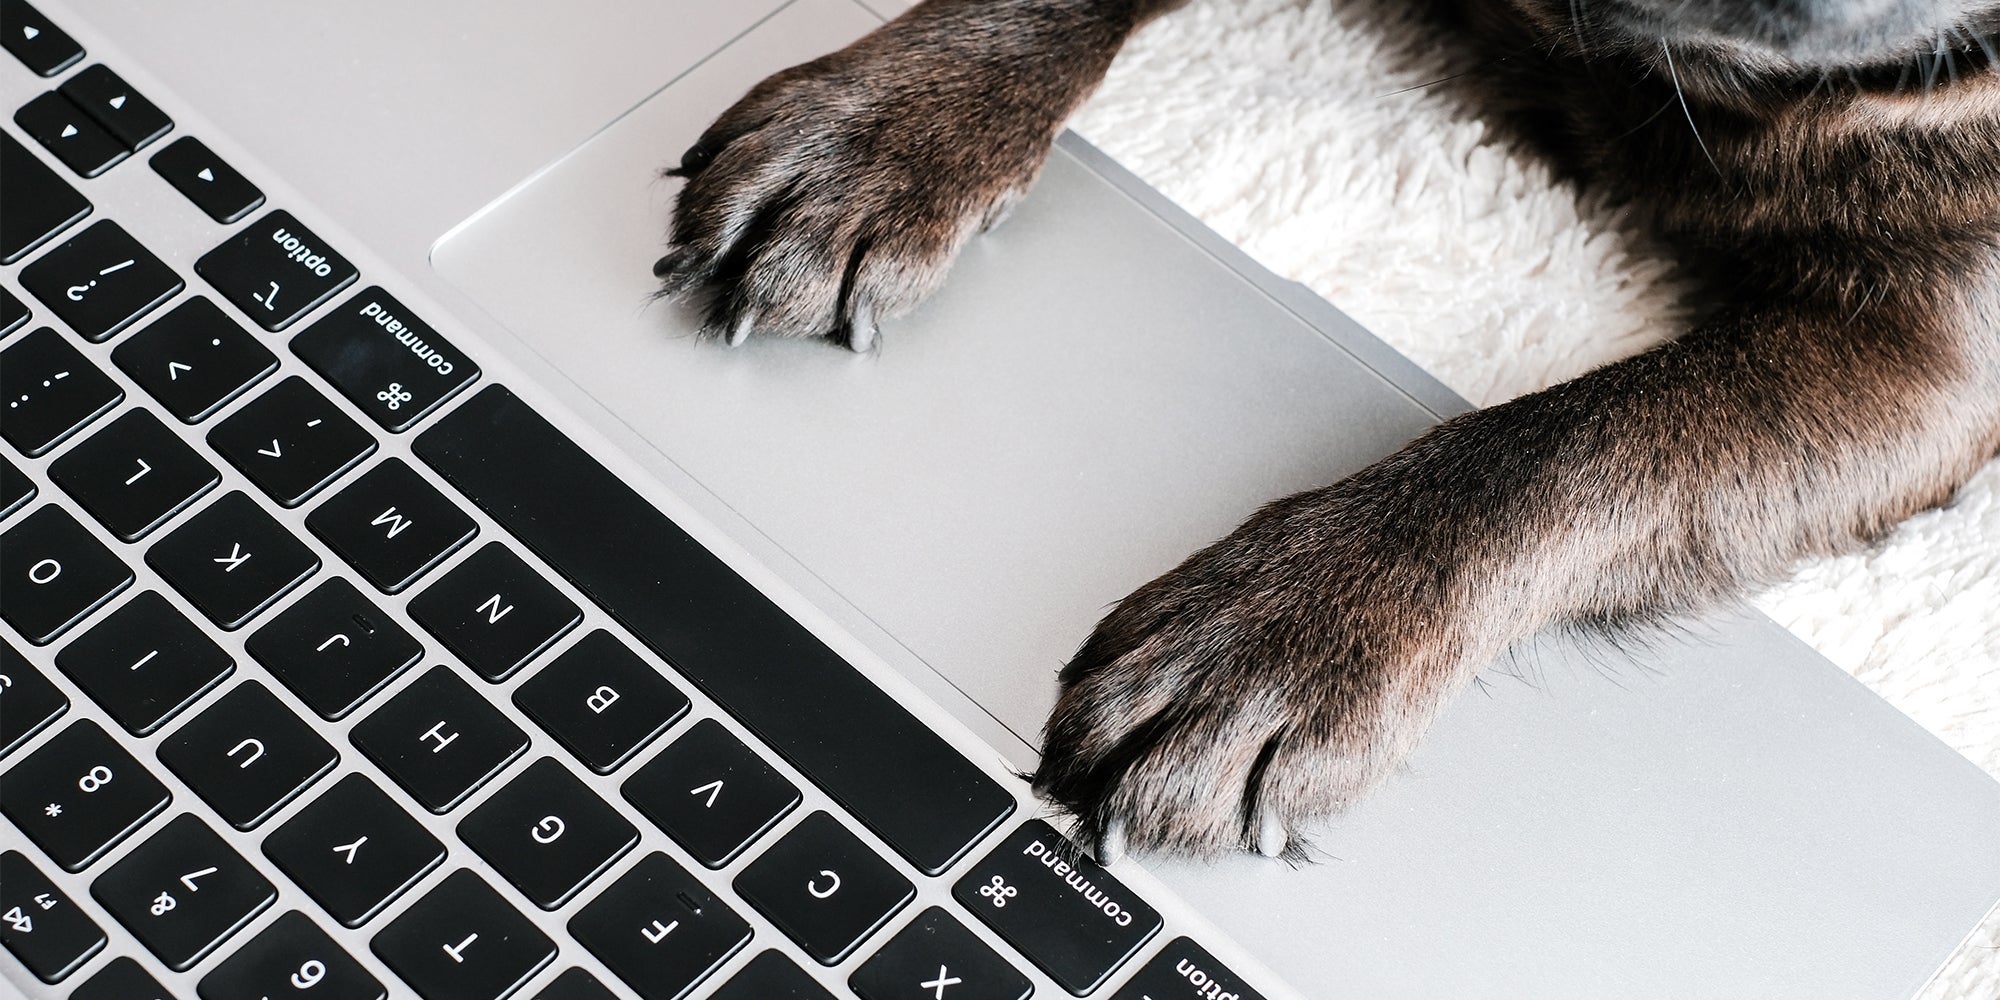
{"points": [[1291, 127]]}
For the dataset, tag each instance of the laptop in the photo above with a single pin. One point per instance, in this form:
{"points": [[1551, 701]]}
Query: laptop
{"points": [[399, 602]]}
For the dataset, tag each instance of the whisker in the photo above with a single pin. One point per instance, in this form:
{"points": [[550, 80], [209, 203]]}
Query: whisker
{"points": [[1688, 111]]}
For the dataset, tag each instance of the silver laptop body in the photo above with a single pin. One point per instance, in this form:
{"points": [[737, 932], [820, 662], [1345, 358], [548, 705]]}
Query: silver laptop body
{"points": [[1102, 386]]}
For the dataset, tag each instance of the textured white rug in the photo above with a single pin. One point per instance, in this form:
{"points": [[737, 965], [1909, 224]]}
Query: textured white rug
{"points": [[1289, 127]]}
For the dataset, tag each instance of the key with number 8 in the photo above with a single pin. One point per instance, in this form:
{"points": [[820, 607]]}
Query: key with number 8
{"points": [[80, 794]]}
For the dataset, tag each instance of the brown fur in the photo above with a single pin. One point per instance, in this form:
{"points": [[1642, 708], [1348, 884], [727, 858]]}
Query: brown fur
{"points": [[1836, 201]]}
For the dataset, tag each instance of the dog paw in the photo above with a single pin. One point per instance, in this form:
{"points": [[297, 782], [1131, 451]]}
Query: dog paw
{"points": [[837, 193], [1271, 679]]}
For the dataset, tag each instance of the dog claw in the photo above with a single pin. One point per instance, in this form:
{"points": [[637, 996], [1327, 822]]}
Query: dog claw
{"points": [[1271, 837], [862, 329], [1111, 847], [744, 324]]}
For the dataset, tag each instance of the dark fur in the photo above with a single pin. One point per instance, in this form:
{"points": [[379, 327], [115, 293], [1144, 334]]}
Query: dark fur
{"points": [[1828, 171]]}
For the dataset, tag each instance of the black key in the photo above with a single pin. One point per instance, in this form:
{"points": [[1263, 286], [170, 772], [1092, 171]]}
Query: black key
{"points": [[334, 649], [83, 145], [53, 574], [194, 360], [28, 702], [575, 984], [51, 391], [183, 892], [825, 888], [439, 739], [495, 612], [79, 794], [290, 958], [711, 793], [661, 931], [232, 560], [547, 834], [213, 185], [124, 112], [122, 978], [463, 942], [35, 203], [601, 702], [891, 771], [276, 271], [16, 489], [247, 755], [133, 474], [291, 441], [390, 363], [13, 312], [391, 525], [353, 850], [1058, 907], [100, 281], [771, 976], [35, 40], [936, 956], [145, 662], [1183, 970], [40, 925]]}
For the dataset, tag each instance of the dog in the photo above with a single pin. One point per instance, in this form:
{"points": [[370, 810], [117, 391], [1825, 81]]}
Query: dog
{"points": [[1826, 173]]}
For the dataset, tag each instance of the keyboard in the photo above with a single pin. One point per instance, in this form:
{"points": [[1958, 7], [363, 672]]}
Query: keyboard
{"points": [[334, 668]]}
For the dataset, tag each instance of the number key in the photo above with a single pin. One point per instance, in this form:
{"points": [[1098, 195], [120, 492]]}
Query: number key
{"points": [[40, 925], [79, 794], [183, 892], [290, 958]]}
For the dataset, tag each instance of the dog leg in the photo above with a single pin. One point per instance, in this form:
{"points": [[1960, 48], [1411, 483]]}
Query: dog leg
{"points": [[838, 192], [1281, 673]]}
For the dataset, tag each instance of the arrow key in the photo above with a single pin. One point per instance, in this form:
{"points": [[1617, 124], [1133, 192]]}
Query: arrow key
{"points": [[183, 892], [194, 360], [214, 186], [291, 441], [82, 144], [130, 118], [36, 41]]}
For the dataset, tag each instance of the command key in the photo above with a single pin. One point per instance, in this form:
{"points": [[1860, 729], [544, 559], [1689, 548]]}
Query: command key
{"points": [[387, 361], [1058, 907]]}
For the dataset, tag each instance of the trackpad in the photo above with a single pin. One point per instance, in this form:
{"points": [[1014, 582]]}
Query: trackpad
{"points": [[1089, 399]]}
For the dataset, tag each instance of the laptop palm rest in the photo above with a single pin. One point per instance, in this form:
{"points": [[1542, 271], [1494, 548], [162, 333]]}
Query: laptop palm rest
{"points": [[1102, 388]]}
